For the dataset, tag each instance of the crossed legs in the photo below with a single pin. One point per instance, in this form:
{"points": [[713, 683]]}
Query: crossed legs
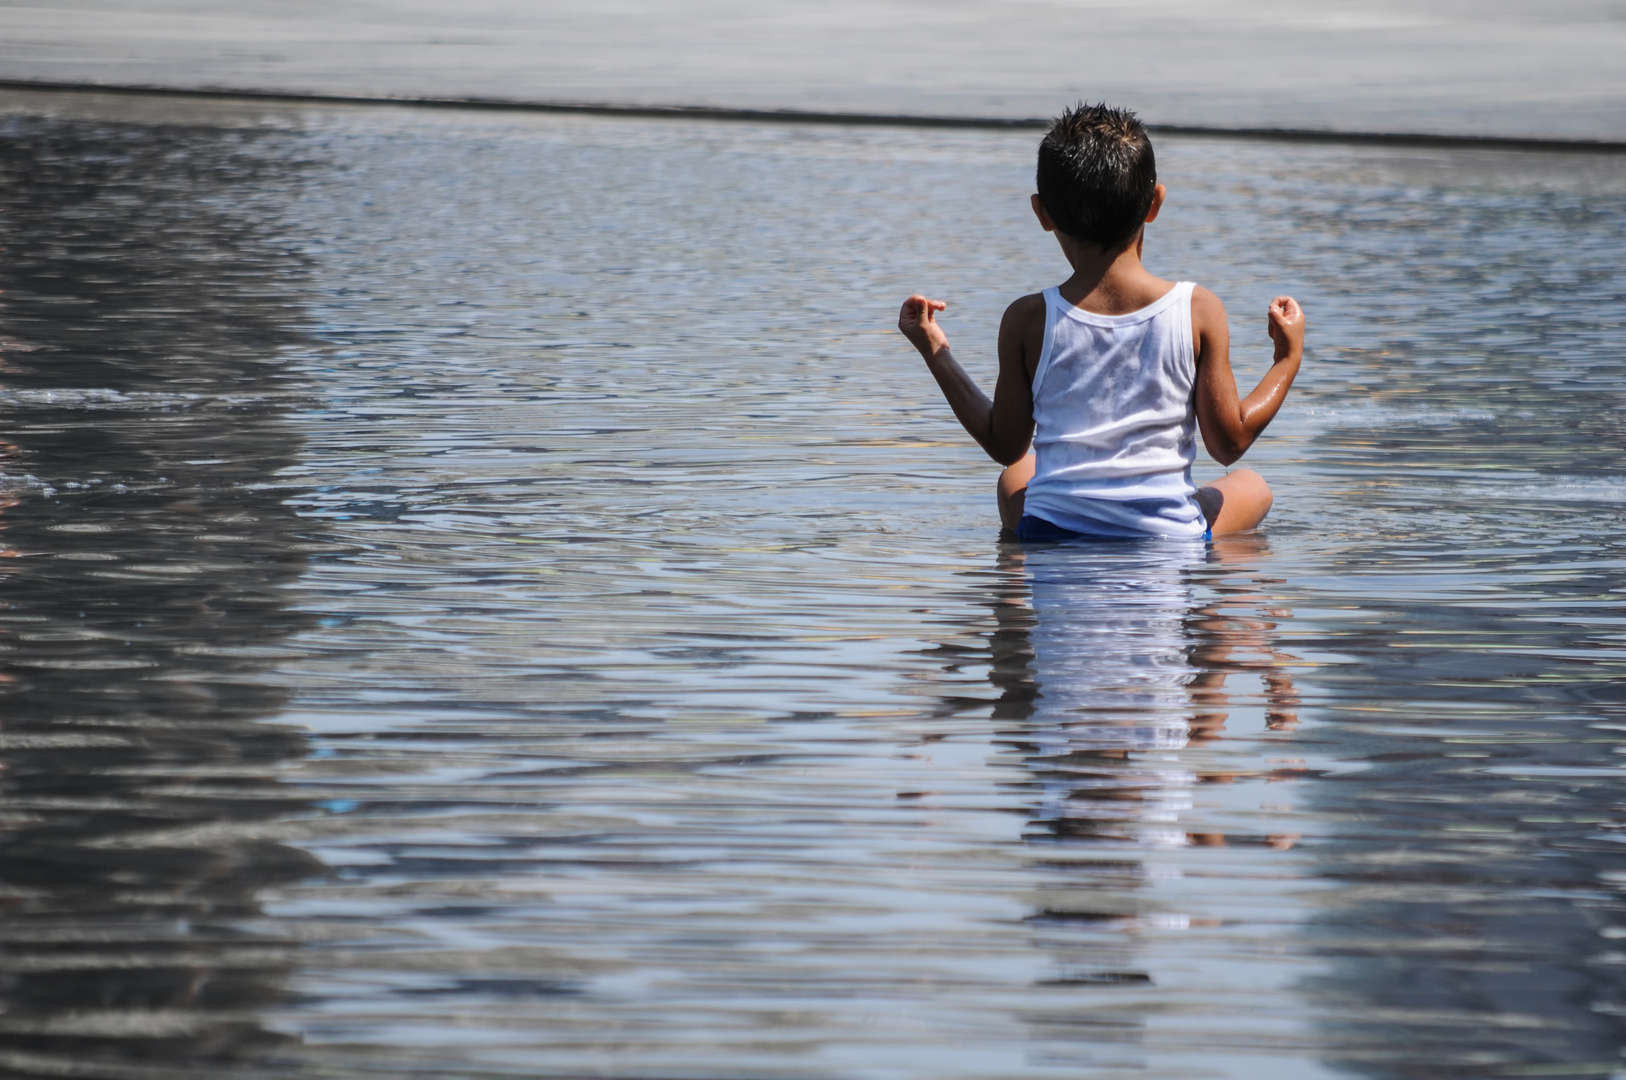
{"points": [[1235, 502]]}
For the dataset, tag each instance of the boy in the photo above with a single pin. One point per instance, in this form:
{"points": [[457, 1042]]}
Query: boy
{"points": [[1108, 374]]}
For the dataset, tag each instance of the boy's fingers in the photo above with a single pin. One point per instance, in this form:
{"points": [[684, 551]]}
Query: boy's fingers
{"points": [[919, 309]]}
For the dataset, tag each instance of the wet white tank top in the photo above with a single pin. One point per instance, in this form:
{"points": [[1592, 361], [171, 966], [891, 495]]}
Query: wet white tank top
{"points": [[1116, 420]]}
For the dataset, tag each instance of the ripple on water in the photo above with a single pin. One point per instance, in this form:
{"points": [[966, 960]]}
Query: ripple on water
{"points": [[492, 598]]}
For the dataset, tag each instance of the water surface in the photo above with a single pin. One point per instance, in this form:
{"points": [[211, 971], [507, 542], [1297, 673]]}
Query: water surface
{"points": [[492, 596]]}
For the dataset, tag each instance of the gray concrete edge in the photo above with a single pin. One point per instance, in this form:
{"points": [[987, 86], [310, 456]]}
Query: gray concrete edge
{"points": [[799, 116]]}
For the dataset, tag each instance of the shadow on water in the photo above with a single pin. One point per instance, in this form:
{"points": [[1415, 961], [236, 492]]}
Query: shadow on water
{"points": [[1112, 660], [142, 403], [1475, 927]]}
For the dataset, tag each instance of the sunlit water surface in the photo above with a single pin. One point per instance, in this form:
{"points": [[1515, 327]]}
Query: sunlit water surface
{"points": [[491, 596]]}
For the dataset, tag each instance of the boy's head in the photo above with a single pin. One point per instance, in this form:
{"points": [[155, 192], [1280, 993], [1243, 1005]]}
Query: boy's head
{"points": [[1097, 174]]}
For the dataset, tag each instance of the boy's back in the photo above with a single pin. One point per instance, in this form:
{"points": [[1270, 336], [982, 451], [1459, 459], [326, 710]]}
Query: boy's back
{"points": [[1115, 431], [1115, 367]]}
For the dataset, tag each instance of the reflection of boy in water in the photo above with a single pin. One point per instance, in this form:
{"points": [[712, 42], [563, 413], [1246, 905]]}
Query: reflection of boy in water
{"points": [[1111, 660], [1114, 367]]}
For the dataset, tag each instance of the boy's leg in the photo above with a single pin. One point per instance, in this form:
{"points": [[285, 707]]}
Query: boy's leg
{"points": [[1236, 501], [1013, 491]]}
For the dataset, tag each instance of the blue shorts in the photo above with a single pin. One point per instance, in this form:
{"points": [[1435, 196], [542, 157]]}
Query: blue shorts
{"points": [[1036, 530]]}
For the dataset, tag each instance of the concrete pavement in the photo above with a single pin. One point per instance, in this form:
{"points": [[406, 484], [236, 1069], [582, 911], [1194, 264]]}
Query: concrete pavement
{"points": [[1510, 68]]}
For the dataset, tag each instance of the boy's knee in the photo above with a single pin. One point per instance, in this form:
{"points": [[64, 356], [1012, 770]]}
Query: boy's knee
{"points": [[1252, 480], [1015, 477], [1013, 490], [1259, 493], [1260, 487], [1246, 491]]}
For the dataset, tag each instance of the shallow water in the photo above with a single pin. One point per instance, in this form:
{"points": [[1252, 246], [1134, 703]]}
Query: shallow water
{"points": [[491, 596]]}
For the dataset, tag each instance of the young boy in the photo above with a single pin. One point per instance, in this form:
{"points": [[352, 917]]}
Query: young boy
{"points": [[1115, 367]]}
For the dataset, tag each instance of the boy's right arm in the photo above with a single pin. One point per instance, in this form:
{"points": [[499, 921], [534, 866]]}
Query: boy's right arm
{"points": [[1230, 426], [1003, 426]]}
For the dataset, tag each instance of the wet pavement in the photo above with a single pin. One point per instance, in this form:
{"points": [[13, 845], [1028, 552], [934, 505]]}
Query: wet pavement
{"points": [[493, 596], [1492, 67]]}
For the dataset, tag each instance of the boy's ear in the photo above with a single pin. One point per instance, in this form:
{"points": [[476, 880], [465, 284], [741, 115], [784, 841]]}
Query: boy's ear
{"points": [[1044, 215], [1158, 192]]}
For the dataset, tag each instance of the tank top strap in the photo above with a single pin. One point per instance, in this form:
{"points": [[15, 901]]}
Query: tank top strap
{"points": [[1052, 308], [1182, 308]]}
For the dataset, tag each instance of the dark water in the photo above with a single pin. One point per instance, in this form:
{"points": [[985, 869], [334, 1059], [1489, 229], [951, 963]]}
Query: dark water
{"points": [[490, 596]]}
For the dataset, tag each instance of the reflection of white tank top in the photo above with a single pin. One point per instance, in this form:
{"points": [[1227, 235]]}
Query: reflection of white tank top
{"points": [[1116, 420], [1112, 660]]}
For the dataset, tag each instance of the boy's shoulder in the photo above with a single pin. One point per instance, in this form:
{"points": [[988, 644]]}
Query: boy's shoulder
{"points": [[1025, 309], [1205, 308], [1021, 333], [1204, 298]]}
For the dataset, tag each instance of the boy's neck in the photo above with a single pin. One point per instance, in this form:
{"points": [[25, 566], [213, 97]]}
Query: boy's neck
{"points": [[1109, 281]]}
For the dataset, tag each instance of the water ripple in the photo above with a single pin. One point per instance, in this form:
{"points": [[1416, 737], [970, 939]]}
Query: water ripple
{"points": [[488, 596]]}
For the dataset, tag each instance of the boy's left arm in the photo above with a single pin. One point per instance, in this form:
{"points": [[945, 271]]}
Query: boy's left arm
{"points": [[1230, 425]]}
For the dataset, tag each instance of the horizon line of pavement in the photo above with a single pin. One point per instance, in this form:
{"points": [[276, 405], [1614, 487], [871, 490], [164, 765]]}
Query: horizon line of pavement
{"points": [[800, 116]]}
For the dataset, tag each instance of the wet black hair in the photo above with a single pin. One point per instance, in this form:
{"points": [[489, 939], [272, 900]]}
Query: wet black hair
{"points": [[1096, 174]]}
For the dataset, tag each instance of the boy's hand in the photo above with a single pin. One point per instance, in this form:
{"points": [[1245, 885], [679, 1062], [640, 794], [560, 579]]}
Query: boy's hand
{"points": [[918, 323], [1285, 321]]}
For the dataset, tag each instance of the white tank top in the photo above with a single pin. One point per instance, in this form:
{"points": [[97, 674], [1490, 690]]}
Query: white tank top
{"points": [[1116, 420]]}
